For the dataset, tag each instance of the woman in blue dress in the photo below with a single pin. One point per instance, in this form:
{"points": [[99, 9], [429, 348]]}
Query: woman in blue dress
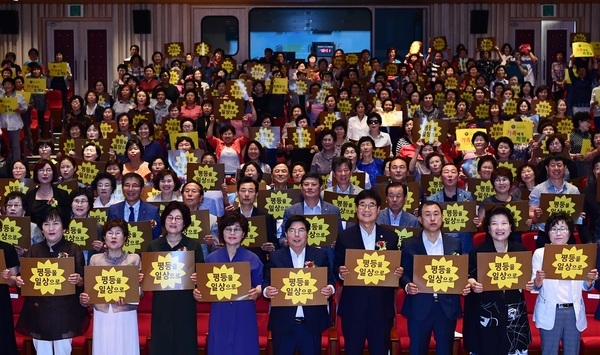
{"points": [[232, 327]]}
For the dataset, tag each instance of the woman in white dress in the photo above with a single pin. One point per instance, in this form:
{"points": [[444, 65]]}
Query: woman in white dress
{"points": [[115, 324]]}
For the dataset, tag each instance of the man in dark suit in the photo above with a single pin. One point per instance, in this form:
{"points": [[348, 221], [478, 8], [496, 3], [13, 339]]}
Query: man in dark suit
{"points": [[394, 215], [310, 186], [298, 328], [428, 312], [133, 209], [367, 312], [247, 190]]}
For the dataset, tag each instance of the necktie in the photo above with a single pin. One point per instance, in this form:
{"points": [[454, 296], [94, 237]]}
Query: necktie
{"points": [[131, 214]]}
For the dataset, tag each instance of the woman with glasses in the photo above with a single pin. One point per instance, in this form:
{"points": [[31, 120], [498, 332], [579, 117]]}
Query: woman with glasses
{"points": [[13, 207], [233, 328], [20, 170], [559, 311], [174, 326]]}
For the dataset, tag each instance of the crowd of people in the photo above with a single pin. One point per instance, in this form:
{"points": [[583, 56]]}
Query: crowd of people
{"points": [[379, 108]]}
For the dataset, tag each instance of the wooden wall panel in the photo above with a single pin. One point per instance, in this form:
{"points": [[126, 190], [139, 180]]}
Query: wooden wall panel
{"points": [[171, 22]]}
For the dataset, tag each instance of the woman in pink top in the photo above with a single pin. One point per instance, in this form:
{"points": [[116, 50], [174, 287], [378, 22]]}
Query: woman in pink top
{"points": [[191, 109]]}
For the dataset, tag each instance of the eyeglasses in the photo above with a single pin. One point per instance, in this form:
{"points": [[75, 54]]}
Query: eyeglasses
{"points": [[559, 230], [364, 206], [176, 219], [373, 122], [19, 168], [300, 231], [80, 202], [46, 170], [233, 230]]}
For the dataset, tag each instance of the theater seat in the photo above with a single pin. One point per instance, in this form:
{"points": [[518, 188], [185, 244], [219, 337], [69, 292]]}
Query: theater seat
{"points": [[24, 342], [590, 337]]}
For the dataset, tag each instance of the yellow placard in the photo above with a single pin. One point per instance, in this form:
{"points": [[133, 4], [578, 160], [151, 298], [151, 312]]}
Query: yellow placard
{"points": [[47, 276], [167, 270], [571, 204], [257, 232], [173, 76], [280, 86], [464, 136], [458, 217], [82, 231], [299, 287], [210, 176], [323, 229], [596, 48], [35, 86], [372, 268], [504, 271], [518, 132], [569, 262], [223, 282], [344, 202], [88, 170], [118, 143], [8, 104], [16, 231], [106, 284], [275, 202], [582, 49], [480, 188], [26, 95], [440, 274], [58, 69], [586, 146]]}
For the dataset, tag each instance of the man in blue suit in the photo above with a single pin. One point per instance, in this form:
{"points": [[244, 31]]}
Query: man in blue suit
{"points": [[367, 312], [298, 328], [428, 312], [393, 215], [133, 209]]}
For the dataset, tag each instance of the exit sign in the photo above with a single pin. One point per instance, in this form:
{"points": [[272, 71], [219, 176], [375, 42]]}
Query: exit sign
{"points": [[548, 10], [75, 10]]}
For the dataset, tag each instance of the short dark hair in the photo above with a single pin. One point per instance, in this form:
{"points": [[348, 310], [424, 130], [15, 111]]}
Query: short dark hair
{"points": [[43, 142], [147, 123], [135, 176], [104, 175], [365, 194], [13, 195], [256, 166], [112, 223], [137, 142], [54, 214], [311, 175], [557, 217], [182, 139], [92, 144], [247, 180], [297, 218], [367, 139], [481, 134], [501, 171], [195, 183], [482, 160], [338, 161], [81, 192], [499, 210], [396, 184], [39, 165], [555, 157], [162, 174], [231, 218], [428, 203], [181, 207]]}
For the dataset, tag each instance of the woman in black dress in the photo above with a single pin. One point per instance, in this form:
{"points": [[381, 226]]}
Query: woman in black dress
{"points": [[495, 322], [8, 344], [174, 312], [52, 322]]}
